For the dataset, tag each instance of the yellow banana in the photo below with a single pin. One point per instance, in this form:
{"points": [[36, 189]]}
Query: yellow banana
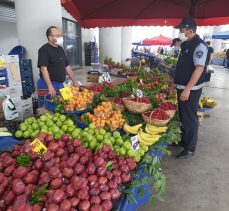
{"points": [[152, 127], [146, 142], [147, 138], [155, 130], [132, 129]]}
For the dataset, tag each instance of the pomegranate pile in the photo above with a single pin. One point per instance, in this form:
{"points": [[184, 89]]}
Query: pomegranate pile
{"points": [[75, 176]]}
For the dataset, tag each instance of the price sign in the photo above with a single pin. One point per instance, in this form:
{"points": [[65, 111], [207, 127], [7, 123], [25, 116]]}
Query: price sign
{"points": [[66, 93], [38, 147], [135, 143], [139, 93]]}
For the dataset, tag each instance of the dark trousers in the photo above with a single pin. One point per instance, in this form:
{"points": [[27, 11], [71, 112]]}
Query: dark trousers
{"points": [[189, 119]]}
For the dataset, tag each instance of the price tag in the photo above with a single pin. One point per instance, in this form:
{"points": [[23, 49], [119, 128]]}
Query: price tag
{"points": [[38, 147], [135, 143], [139, 93], [66, 93]]}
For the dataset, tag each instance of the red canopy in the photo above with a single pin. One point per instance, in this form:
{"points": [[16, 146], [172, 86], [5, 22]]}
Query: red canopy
{"points": [[158, 40], [108, 13]]}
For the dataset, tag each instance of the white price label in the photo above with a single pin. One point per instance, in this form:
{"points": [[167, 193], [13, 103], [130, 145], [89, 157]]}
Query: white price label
{"points": [[135, 143], [139, 93]]}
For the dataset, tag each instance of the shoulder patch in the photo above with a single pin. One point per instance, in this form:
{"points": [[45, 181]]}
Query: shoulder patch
{"points": [[199, 53]]}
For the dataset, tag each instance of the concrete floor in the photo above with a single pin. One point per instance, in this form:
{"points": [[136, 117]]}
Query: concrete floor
{"points": [[200, 183]]}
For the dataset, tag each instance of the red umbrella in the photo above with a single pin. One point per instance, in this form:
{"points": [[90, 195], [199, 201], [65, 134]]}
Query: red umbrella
{"points": [[107, 13], [158, 40]]}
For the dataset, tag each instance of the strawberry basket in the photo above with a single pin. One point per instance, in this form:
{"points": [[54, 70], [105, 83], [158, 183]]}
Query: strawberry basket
{"points": [[169, 108], [137, 105], [156, 117]]}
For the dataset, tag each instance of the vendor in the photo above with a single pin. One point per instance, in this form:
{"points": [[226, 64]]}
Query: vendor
{"points": [[53, 65], [176, 43]]}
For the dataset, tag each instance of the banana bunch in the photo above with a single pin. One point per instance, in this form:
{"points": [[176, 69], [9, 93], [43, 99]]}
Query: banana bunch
{"points": [[147, 139], [207, 102], [154, 130], [131, 129]]}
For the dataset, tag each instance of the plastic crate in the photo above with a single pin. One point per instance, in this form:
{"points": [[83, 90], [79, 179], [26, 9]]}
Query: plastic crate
{"points": [[81, 124], [7, 141], [3, 73], [48, 103]]}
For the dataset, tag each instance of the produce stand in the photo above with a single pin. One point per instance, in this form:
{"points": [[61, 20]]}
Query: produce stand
{"points": [[170, 70], [89, 126]]}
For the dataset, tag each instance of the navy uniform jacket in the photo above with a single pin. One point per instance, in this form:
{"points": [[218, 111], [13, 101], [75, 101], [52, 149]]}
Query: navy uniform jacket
{"points": [[193, 53]]}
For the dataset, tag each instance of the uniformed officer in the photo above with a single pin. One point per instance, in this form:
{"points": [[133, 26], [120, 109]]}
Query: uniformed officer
{"points": [[189, 81]]}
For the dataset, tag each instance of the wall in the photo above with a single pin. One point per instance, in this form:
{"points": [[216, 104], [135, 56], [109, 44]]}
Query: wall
{"points": [[33, 18], [8, 36], [110, 43]]}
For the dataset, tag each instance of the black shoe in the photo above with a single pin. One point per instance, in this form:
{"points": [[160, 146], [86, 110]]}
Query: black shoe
{"points": [[185, 154]]}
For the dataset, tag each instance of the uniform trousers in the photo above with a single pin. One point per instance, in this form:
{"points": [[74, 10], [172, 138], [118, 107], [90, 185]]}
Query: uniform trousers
{"points": [[189, 119]]}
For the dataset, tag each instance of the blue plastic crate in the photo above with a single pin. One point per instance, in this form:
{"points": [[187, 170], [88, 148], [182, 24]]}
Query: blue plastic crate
{"points": [[7, 141], [3, 73], [48, 103], [81, 124]]}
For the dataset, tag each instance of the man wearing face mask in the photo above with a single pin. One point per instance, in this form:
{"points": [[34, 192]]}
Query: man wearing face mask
{"points": [[189, 81], [53, 65], [176, 47]]}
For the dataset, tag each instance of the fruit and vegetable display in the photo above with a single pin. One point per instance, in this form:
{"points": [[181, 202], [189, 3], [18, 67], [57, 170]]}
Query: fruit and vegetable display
{"points": [[79, 101], [104, 115], [54, 124], [120, 69], [122, 145], [170, 61], [67, 177], [62, 165], [207, 102], [158, 114]]}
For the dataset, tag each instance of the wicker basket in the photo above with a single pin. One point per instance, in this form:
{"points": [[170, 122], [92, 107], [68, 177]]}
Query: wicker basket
{"points": [[155, 122], [136, 107], [171, 113], [119, 107]]}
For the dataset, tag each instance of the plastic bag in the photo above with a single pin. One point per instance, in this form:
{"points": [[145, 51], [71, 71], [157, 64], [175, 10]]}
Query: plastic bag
{"points": [[209, 69], [9, 109]]}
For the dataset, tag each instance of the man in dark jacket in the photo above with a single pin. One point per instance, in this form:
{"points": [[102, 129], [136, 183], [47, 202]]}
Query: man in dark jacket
{"points": [[189, 81]]}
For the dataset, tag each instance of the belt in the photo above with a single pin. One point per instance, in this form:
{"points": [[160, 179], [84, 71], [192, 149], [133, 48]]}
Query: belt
{"points": [[193, 88]]}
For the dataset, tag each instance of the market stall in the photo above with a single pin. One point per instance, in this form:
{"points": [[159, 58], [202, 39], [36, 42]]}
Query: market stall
{"points": [[97, 148]]}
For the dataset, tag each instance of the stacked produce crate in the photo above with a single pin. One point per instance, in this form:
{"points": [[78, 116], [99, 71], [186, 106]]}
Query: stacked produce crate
{"points": [[27, 77], [91, 53]]}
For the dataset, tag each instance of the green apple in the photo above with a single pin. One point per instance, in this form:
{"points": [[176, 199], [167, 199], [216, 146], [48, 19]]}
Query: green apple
{"points": [[19, 134], [119, 141], [92, 126], [116, 135]]}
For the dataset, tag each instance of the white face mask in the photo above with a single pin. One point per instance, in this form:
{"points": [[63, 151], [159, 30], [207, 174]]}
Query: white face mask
{"points": [[182, 37], [59, 41]]}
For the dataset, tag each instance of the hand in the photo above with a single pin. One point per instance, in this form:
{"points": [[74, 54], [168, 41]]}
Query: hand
{"points": [[52, 91], [185, 95], [76, 84]]}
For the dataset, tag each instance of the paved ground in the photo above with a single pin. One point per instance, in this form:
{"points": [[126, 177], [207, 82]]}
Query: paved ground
{"points": [[201, 183]]}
